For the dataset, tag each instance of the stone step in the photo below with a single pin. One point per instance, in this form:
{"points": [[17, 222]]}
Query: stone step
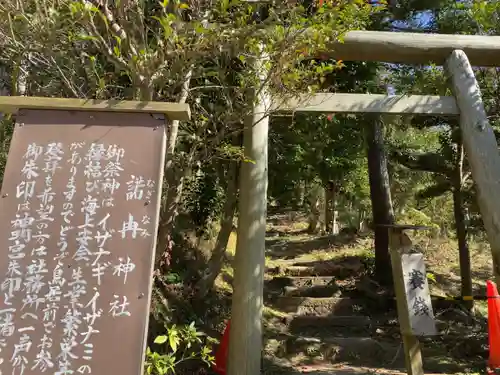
{"points": [[331, 321], [350, 326], [301, 286], [337, 270], [324, 326], [318, 306], [287, 366], [340, 349], [341, 268], [301, 349], [317, 291], [300, 282]]}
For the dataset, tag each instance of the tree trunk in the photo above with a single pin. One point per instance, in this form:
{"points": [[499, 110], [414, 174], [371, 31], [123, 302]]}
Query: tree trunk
{"points": [[4, 78], [329, 208], [314, 214], [331, 225], [300, 194], [380, 195], [361, 224], [174, 188], [20, 79], [463, 249], [335, 225], [219, 252]]}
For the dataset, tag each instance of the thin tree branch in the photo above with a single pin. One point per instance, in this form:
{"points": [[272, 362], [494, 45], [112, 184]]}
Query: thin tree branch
{"points": [[68, 83], [116, 28]]}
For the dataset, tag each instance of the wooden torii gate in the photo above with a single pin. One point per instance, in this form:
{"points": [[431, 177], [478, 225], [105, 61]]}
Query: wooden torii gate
{"points": [[456, 53]]}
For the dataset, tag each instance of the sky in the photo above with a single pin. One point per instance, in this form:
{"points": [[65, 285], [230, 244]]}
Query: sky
{"points": [[421, 20]]}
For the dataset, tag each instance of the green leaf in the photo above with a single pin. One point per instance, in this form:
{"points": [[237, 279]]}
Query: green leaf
{"points": [[431, 277], [159, 369], [199, 28], [173, 338], [224, 5], [85, 37], [161, 339]]}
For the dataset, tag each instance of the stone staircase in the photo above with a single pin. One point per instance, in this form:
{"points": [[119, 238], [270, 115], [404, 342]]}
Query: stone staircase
{"points": [[325, 315], [322, 321]]}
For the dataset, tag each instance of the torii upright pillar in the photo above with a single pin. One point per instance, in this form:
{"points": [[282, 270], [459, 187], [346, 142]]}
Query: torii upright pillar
{"points": [[245, 339]]}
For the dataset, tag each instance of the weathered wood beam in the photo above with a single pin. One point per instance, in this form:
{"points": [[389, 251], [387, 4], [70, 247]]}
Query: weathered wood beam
{"points": [[174, 111], [480, 146], [366, 103], [415, 48]]}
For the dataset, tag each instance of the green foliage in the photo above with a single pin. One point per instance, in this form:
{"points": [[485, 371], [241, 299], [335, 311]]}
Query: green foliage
{"points": [[173, 278], [367, 257], [231, 152], [433, 193], [431, 278], [310, 148], [180, 344], [6, 131], [486, 14], [413, 216], [205, 195], [332, 152]]}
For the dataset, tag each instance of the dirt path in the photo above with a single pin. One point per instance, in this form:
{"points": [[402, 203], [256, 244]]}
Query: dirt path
{"points": [[325, 315]]}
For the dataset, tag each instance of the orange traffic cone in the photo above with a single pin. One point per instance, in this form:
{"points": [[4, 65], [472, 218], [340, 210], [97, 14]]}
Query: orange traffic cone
{"points": [[493, 326], [221, 354]]}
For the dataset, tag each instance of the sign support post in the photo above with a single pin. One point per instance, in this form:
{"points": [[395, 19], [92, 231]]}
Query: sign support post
{"points": [[412, 291]]}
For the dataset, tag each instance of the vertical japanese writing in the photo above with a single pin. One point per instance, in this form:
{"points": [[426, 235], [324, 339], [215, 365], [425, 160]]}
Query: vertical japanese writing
{"points": [[92, 314], [417, 294], [37, 270], [417, 282], [138, 188], [44, 360], [19, 358], [20, 236], [112, 170], [68, 240], [7, 328], [135, 188], [75, 287], [417, 279], [131, 228], [420, 307], [150, 186], [102, 171]]}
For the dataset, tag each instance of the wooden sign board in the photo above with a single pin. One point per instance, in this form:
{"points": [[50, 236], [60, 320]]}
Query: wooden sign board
{"points": [[417, 295], [79, 210]]}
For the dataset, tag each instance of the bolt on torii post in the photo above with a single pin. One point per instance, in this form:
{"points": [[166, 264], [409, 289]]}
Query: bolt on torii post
{"points": [[456, 53]]}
